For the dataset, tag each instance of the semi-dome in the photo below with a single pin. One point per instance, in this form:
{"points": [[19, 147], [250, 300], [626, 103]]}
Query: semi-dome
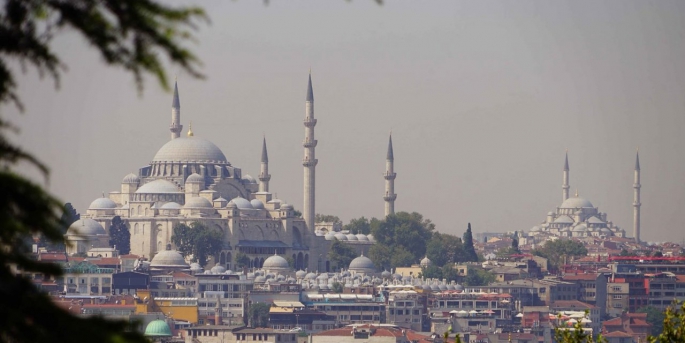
{"points": [[249, 178], [576, 202], [102, 203], [157, 187], [195, 177], [242, 203], [168, 259], [580, 228], [157, 328], [362, 264], [86, 227], [275, 262], [563, 220], [257, 204], [171, 206], [131, 178], [189, 149], [198, 202]]}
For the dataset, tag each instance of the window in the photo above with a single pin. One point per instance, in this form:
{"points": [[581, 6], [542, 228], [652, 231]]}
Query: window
{"points": [[618, 296]]}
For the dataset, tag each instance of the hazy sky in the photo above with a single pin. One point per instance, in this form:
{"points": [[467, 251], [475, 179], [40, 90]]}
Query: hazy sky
{"points": [[482, 97]]}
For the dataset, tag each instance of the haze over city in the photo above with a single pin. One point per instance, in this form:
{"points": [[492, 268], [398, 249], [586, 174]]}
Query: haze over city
{"points": [[482, 99]]}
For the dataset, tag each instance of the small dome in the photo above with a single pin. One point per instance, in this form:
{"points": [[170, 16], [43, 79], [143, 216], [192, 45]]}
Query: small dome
{"points": [[425, 262], [275, 262], [386, 274], [131, 178], [242, 203], [310, 276], [171, 206], [101, 204], [352, 237], [576, 202], [286, 207], [168, 259], [362, 237], [257, 204], [231, 204], [157, 328], [535, 229], [195, 178], [371, 238], [550, 213], [249, 178], [218, 269], [459, 287], [86, 227], [341, 237], [300, 274], [259, 279], [198, 202], [157, 187], [330, 236], [195, 267], [579, 228], [362, 264]]}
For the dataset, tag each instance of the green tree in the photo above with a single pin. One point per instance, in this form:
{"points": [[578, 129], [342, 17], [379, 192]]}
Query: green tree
{"points": [[478, 277], [327, 218], [431, 272], [69, 216], [380, 255], [198, 240], [242, 260], [449, 273], [560, 251], [337, 287], [258, 315], [131, 34], [444, 248], [576, 334], [409, 231], [468, 245], [291, 261], [359, 225], [655, 317], [120, 236], [673, 325], [341, 254], [401, 257]]}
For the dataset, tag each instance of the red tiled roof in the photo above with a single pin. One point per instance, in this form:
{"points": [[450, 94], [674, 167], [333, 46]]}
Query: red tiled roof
{"points": [[121, 306], [572, 304], [617, 334], [105, 261], [181, 275]]}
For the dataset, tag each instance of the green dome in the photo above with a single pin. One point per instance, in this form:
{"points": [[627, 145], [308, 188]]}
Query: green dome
{"points": [[158, 328]]}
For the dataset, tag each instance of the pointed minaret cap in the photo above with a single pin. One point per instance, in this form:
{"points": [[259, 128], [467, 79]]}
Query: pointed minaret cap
{"points": [[637, 160], [176, 103], [190, 129], [391, 156], [566, 161], [265, 156], [310, 92]]}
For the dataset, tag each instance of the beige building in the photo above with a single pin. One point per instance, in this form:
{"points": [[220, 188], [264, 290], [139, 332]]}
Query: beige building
{"points": [[230, 334]]}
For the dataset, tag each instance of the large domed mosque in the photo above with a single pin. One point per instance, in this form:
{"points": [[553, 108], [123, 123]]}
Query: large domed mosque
{"points": [[577, 217], [190, 179]]}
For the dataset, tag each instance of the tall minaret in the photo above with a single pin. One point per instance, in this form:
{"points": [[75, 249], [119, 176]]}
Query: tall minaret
{"points": [[636, 200], [565, 187], [176, 126], [309, 162], [389, 176], [264, 175]]}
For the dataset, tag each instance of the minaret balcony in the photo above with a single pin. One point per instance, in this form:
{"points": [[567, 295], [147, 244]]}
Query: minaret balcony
{"points": [[307, 143], [310, 163], [390, 197], [389, 176], [637, 186], [264, 178], [310, 122]]}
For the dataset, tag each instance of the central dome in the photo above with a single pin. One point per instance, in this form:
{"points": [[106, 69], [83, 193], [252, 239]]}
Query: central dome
{"points": [[186, 149], [576, 203]]}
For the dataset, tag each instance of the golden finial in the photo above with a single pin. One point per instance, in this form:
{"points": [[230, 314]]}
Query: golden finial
{"points": [[190, 129], [576, 192]]}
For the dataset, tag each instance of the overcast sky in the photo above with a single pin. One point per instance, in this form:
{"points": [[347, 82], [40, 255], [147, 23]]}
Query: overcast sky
{"points": [[482, 97]]}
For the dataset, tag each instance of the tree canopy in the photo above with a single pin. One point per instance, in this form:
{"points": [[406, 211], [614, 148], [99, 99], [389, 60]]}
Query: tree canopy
{"points": [[404, 235], [341, 254], [560, 251], [197, 240], [120, 236], [361, 225], [468, 245], [326, 218]]}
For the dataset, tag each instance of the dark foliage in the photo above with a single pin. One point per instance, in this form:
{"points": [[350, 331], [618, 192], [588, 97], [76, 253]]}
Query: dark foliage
{"points": [[120, 236]]}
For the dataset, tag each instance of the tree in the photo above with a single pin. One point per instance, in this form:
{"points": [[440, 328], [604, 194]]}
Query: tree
{"points": [[654, 317], [478, 277], [132, 34], [449, 273], [380, 255], [183, 239], [337, 287], [431, 272], [445, 248], [673, 325], [407, 230], [326, 218], [401, 257], [341, 254], [560, 251], [359, 225], [69, 216], [242, 260], [120, 236], [515, 243], [576, 334], [198, 240], [258, 315], [468, 245]]}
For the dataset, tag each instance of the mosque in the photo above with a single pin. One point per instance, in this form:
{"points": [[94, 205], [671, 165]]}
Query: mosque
{"points": [[577, 217], [190, 179]]}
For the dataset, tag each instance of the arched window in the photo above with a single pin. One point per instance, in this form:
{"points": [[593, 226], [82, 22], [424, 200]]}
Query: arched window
{"points": [[135, 229]]}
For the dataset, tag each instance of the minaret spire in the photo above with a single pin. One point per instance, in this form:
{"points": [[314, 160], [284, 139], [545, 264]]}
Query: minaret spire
{"points": [[309, 161], [636, 199], [565, 186], [389, 176], [176, 126], [264, 175]]}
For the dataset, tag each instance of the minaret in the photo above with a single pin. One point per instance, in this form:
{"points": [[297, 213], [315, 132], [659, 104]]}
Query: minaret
{"points": [[565, 187], [176, 126], [389, 176], [309, 162], [264, 175], [636, 200]]}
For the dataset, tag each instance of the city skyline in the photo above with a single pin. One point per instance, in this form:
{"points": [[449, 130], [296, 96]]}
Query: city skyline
{"points": [[480, 125]]}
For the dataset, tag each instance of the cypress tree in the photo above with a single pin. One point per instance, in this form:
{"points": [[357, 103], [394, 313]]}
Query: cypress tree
{"points": [[468, 245]]}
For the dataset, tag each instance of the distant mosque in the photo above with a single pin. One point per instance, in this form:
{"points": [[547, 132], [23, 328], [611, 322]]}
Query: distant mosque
{"points": [[577, 217], [190, 179]]}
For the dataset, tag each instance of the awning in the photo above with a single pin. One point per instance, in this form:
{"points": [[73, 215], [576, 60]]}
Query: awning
{"points": [[295, 304]]}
